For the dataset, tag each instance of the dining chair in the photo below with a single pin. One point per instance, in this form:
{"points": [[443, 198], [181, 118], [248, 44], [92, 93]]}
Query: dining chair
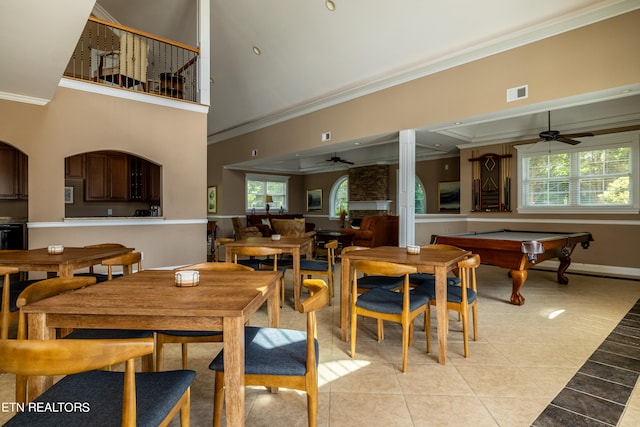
{"points": [[51, 287], [221, 241], [186, 337], [8, 308], [126, 261], [128, 398], [277, 357], [99, 276], [401, 306], [371, 281], [258, 251], [460, 297], [418, 279], [312, 267]]}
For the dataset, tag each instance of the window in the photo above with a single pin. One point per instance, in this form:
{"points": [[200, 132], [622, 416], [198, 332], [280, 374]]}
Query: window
{"points": [[339, 197], [590, 177], [260, 186]]}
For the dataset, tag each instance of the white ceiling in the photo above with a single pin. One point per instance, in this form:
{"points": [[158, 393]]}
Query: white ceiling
{"points": [[312, 57]]}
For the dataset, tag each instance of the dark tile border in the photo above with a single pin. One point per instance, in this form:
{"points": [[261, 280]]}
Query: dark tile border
{"points": [[599, 392]]}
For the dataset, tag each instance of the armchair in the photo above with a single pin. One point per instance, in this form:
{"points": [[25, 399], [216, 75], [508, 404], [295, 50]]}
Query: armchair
{"points": [[375, 230], [241, 232]]}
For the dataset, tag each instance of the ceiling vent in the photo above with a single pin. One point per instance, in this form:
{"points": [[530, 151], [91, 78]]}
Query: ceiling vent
{"points": [[516, 93]]}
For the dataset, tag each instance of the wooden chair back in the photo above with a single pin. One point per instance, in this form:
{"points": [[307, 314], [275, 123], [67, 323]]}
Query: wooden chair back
{"points": [[5, 304], [46, 289], [126, 261], [26, 358], [104, 245]]}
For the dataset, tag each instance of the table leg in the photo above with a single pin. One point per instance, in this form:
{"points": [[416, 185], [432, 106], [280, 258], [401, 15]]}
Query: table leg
{"points": [[518, 278], [38, 331], [234, 370], [273, 306], [344, 298], [442, 313]]}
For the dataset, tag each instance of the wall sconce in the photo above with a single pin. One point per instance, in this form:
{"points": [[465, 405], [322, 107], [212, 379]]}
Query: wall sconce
{"points": [[532, 249]]}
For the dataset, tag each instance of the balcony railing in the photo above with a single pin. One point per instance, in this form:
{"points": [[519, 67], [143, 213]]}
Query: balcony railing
{"points": [[120, 56]]}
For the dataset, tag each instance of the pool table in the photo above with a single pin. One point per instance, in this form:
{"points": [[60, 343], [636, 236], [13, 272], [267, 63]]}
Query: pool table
{"points": [[518, 250]]}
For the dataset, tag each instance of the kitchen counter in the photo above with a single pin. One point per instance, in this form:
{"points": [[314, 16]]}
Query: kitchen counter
{"points": [[12, 220]]}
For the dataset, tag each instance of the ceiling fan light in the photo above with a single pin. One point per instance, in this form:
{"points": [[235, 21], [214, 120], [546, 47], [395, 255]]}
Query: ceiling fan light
{"points": [[330, 4], [257, 50]]}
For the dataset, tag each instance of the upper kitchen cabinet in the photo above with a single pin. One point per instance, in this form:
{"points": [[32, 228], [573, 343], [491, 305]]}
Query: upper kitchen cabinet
{"points": [[13, 173], [111, 176], [107, 177]]}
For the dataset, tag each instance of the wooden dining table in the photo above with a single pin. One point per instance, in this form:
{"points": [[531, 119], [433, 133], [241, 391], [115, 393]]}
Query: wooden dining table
{"points": [[296, 246], [64, 264], [150, 300], [435, 261]]}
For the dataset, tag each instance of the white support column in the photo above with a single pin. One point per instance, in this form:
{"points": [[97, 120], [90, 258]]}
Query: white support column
{"points": [[406, 187], [204, 43]]}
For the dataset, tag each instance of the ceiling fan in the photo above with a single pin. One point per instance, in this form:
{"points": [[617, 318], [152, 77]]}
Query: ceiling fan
{"points": [[336, 159], [554, 135]]}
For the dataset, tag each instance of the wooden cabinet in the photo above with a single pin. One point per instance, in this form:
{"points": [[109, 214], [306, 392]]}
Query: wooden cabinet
{"points": [[107, 177], [74, 167], [13, 173], [144, 180]]}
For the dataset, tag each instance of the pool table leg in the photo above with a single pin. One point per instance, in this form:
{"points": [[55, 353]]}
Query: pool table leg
{"points": [[565, 261], [518, 278]]}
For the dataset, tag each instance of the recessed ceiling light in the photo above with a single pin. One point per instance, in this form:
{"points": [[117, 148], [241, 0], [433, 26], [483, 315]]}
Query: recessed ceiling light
{"points": [[357, 143], [457, 123], [257, 50], [331, 5]]}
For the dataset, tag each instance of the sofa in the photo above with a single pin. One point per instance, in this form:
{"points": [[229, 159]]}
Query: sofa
{"points": [[282, 224], [375, 230]]}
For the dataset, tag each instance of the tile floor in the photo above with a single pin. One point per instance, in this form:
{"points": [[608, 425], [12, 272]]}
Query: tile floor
{"points": [[522, 361]]}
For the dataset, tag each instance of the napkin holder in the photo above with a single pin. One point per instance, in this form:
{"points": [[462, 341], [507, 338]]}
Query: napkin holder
{"points": [[55, 249], [187, 278]]}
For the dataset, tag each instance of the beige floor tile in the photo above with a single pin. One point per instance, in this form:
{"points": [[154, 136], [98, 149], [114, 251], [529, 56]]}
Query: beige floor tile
{"points": [[443, 411], [515, 412]]}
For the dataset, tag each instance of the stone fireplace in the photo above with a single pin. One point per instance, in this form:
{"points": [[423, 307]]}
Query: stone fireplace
{"points": [[369, 191]]}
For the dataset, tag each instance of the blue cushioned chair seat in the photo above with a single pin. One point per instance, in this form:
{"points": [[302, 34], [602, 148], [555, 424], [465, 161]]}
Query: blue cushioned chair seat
{"points": [[454, 293], [387, 282], [100, 393], [107, 334], [272, 351], [390, 302], [191, 333], [253, 263], [282, 262], [313, 265], [420, 278]]}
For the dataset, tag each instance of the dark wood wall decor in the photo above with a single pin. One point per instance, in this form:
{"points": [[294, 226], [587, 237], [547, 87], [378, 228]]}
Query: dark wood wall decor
{"points": [[491, 186]]}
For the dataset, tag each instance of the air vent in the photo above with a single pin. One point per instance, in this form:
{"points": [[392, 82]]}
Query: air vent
{"points": [[516, 93]]}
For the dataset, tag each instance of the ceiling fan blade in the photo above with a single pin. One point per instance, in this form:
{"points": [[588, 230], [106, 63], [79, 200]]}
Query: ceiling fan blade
{"points": [[347, 162], [566, 140], [577, 135]]}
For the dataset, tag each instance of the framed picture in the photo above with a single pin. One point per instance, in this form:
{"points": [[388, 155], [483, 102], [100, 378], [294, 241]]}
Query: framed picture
{"points": [[68, 195], [212, 199], [314, 200], [449, 196]]}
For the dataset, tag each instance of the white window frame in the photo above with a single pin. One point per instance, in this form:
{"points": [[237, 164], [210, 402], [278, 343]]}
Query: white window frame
{"points": [[332, 195], [265, 179], [630, 139], [424, 191]]}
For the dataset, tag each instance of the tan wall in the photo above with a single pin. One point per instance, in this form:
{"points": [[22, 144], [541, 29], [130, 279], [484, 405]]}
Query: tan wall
{"points": [[598, 57], [76, 122]]}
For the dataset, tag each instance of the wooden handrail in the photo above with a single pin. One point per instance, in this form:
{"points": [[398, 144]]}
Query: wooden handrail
{"points": [[145, 34]]}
